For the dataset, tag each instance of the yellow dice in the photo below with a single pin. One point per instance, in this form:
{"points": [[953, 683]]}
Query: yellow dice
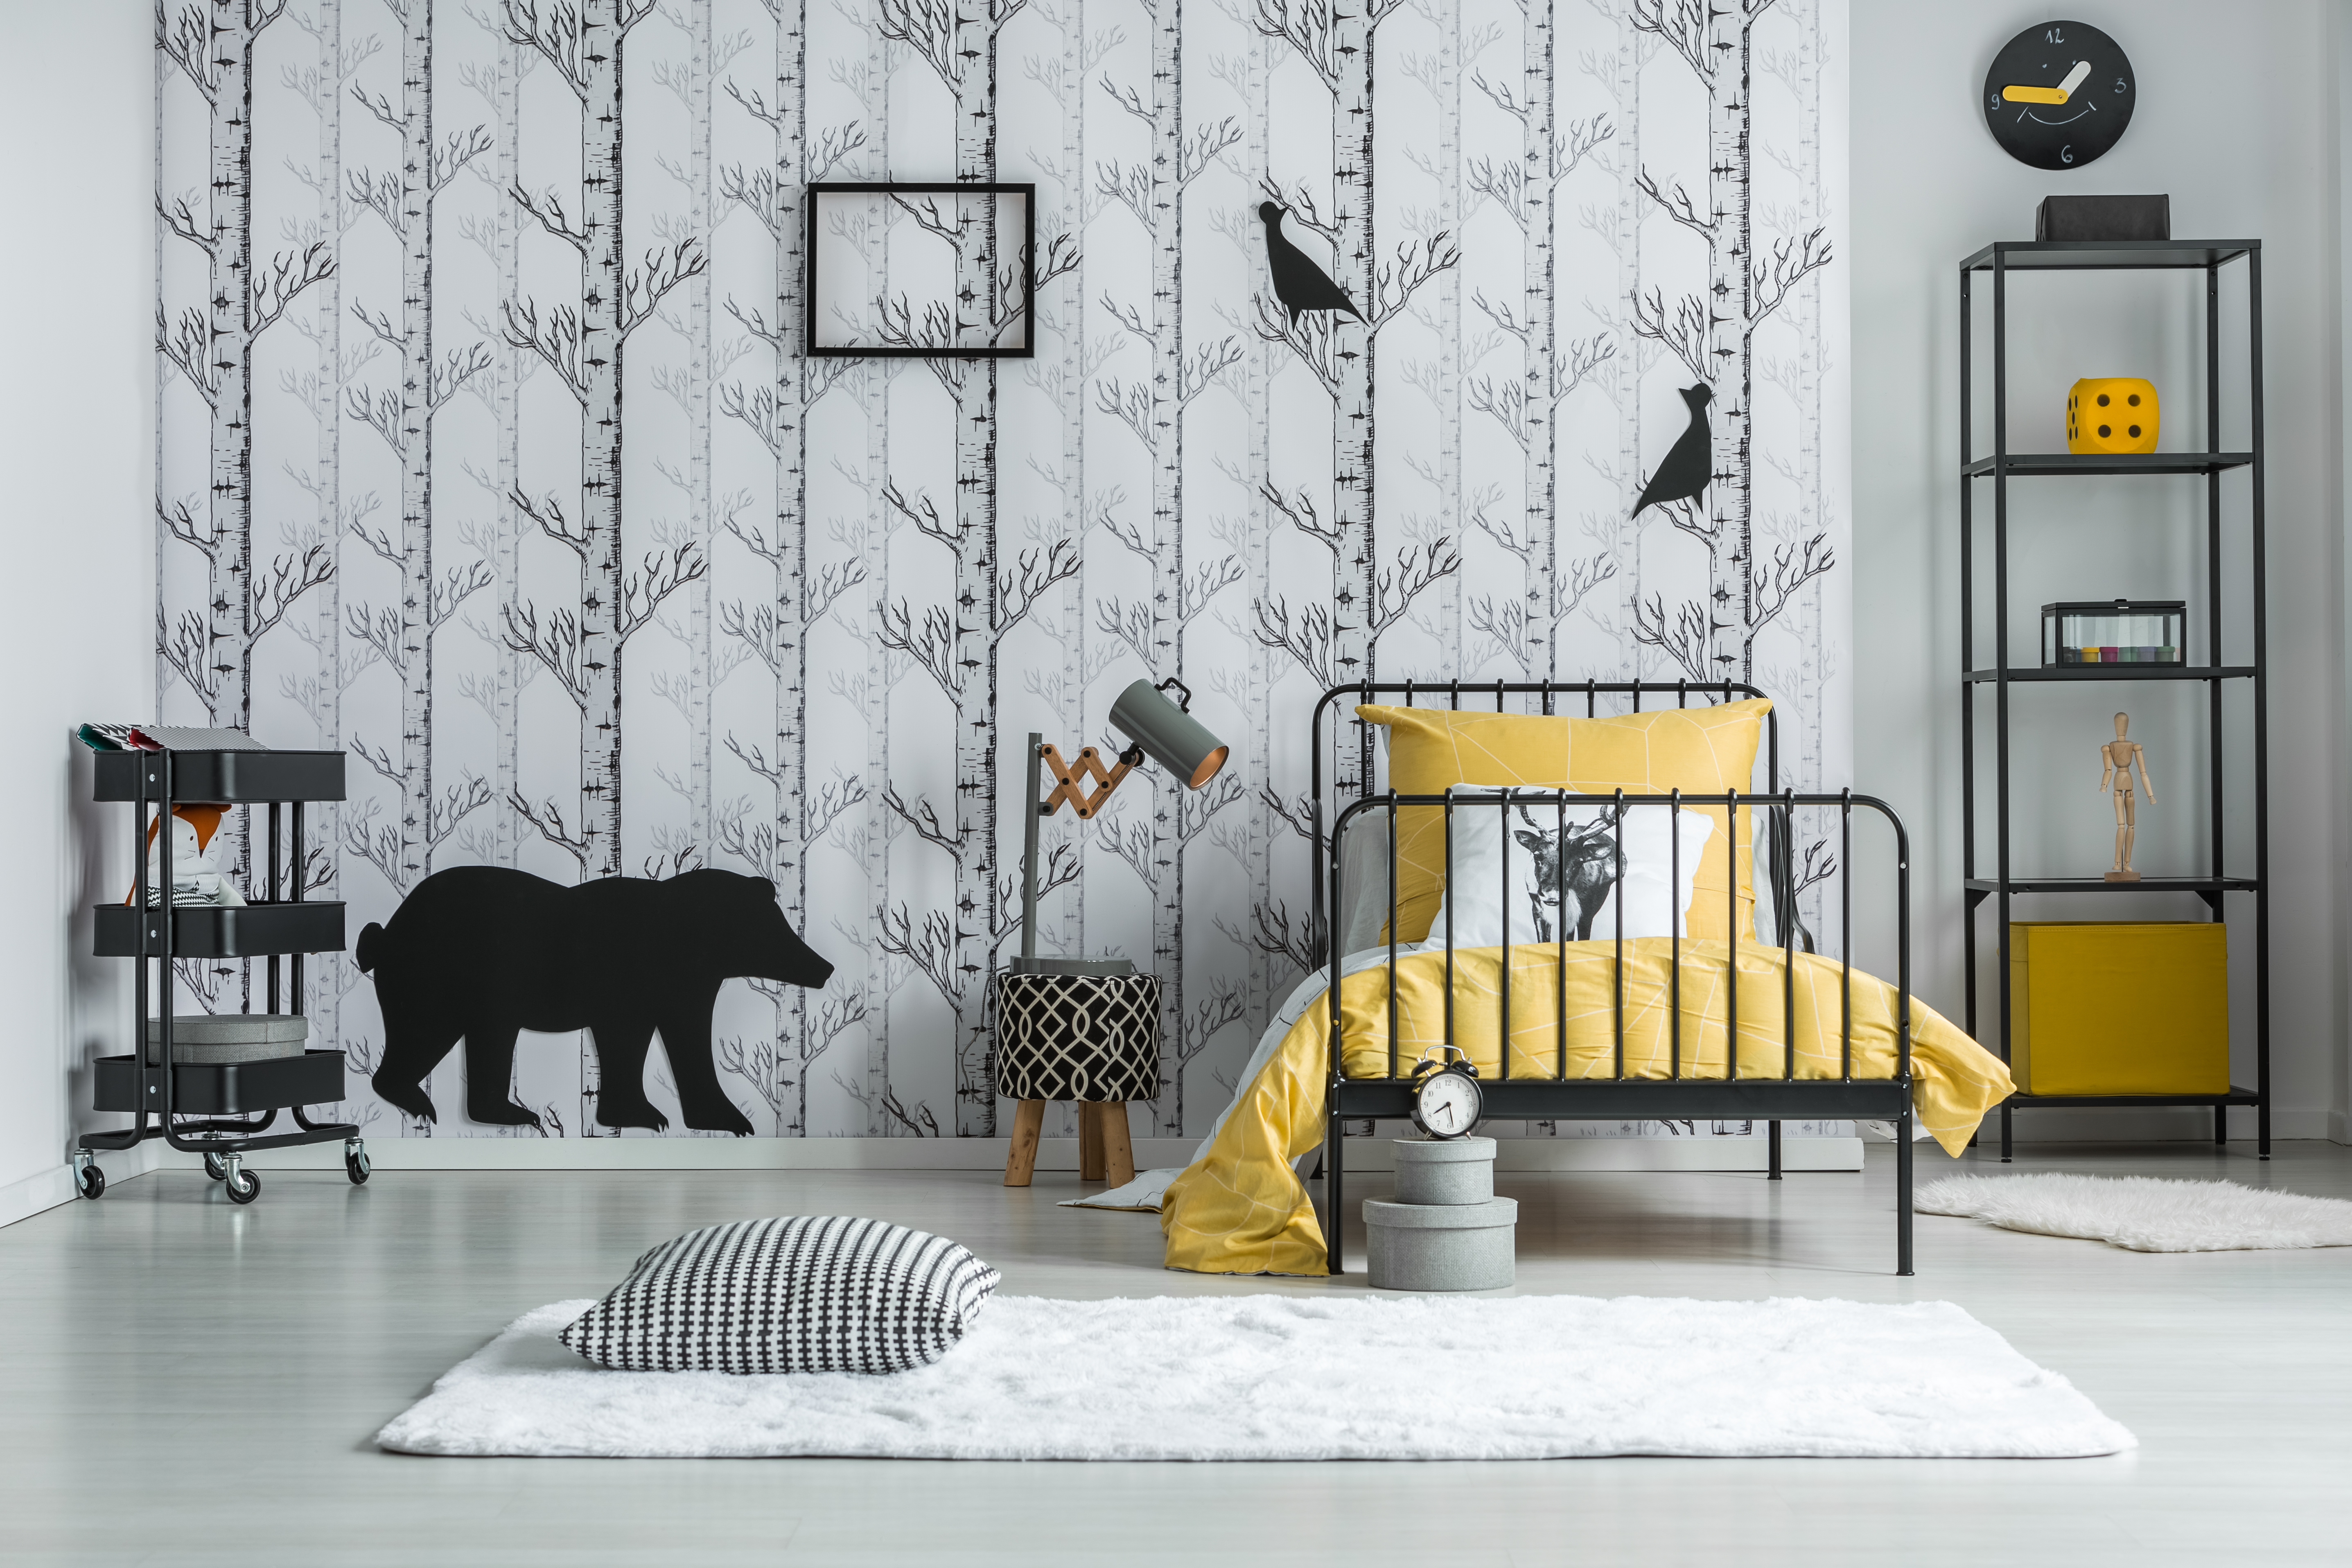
{"points": [[2111, 415]]}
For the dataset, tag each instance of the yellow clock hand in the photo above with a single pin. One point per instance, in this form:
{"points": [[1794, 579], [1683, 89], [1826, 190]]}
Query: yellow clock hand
{"points": [[2059, 94]]}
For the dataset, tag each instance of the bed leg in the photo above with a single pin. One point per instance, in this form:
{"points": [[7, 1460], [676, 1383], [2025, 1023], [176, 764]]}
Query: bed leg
{"points": [[1772, 1151], [1903, 1192], [1334, 1226]]}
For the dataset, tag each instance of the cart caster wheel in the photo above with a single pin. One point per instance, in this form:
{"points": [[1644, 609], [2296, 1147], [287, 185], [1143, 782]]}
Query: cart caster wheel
{"points": [[216, 1168], [90, 1182], [244, 1186], [356, 1167]]}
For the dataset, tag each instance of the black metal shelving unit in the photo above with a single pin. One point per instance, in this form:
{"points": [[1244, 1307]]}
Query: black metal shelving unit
{"points": [[162, 1093], [2001, 467]]}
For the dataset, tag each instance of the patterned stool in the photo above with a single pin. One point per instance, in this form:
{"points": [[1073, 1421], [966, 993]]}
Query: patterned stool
{"points": [[1091, 1038]]}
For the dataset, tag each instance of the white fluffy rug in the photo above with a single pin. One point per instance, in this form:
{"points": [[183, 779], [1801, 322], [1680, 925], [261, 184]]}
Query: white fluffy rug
{"points": [[1289, 1377], [2143, 1213]]}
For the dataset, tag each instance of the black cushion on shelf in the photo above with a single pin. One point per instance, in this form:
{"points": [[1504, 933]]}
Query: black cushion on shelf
{"points": [[1090, 1037], [800, 1293], [2103, 218]]}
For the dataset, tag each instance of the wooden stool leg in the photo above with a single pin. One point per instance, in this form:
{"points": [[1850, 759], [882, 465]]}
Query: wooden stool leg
{"points": [[1021, 1159], [1090, 1144], [1117, 1154]]}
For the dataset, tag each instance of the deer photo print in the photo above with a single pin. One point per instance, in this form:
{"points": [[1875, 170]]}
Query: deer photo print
{"points": [[1425, 338]]}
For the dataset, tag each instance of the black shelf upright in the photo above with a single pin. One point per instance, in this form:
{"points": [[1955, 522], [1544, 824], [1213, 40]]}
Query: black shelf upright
{"points": [[2003, 467], [181, 1102]]}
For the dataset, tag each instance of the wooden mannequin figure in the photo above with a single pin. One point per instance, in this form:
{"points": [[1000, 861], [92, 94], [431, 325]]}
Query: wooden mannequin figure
{"points": [[2115, 760]]}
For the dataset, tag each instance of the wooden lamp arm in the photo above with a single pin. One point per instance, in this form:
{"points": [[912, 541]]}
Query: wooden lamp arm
{"points": [[1071, 781]]}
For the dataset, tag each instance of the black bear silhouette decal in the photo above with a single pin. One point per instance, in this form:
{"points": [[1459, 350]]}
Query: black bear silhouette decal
{"points": [[482, 952]]}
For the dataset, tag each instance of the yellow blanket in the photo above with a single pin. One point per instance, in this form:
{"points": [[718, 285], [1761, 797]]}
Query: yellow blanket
{"points": [[1239, 1209]]}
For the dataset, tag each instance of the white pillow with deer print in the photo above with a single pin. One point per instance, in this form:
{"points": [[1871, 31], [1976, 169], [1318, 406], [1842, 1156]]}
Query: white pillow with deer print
{"points": [[1583, 893]]}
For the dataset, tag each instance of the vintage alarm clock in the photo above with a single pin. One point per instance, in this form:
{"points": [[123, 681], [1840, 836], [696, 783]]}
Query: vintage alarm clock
{"points": [[1446, 1100]]}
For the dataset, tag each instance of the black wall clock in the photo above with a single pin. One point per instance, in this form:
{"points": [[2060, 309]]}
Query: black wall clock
{"points": [[2059, 95]]}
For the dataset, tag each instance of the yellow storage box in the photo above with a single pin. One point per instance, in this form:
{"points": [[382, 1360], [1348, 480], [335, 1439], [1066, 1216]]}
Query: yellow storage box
{"points": [[2119, 1007]]}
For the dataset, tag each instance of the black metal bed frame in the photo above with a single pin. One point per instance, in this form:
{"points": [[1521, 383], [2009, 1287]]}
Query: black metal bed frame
{"points": [[1770, 1099]]}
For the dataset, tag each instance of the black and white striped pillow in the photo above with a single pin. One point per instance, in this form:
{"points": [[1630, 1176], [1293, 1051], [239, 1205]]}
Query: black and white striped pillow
{"points": [[805, 1293]]}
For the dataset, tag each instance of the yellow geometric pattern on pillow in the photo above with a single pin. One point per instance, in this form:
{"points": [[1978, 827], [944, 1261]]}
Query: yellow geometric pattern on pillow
{"points": [[1239, 1209], [1706, 750]]}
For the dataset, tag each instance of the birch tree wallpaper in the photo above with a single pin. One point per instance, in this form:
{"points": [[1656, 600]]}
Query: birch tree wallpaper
{"points": [[489, 456]]}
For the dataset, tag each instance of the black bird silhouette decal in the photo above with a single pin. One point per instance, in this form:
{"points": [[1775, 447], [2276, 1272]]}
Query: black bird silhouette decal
{"points": [[1298, 283], [1690, 461]]}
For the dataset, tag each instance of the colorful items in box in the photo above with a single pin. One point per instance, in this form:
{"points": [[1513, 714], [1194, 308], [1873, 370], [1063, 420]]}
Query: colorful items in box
{"points": [[2111, 654], [2119, 631]]}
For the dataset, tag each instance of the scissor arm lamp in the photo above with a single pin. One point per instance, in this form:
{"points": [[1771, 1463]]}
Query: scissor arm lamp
{"points": [[1159, 729]]}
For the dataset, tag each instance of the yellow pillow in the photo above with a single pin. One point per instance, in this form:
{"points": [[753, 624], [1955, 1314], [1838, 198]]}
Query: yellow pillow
{"points": [[1703, 750]]}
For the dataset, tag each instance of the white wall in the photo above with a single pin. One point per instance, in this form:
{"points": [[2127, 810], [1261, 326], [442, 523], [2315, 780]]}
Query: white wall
{"points": [[2340, 1098], [77, 510], [2237, 122]]}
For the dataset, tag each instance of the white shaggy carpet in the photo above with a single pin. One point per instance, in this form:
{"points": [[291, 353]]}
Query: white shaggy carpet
{"points": [[1290, 1377], [2143, 1213]]}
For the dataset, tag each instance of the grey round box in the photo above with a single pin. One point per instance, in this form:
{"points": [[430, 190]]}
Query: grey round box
{"points": [[215, 1039], [1445, 1169], [1440, 1246]]}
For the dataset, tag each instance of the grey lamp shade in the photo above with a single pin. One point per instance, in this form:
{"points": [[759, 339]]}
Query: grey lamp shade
{"points": [[1167, 734]]}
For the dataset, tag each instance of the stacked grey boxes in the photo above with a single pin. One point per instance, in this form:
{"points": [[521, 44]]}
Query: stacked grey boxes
{"points": [[1446, 1230]]}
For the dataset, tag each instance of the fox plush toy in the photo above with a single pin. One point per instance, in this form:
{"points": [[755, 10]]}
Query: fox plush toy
{"points": [[195, 872]]}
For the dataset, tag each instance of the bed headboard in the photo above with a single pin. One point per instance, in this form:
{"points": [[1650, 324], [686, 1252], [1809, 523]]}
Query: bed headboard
{"points": [[1344, 765]]}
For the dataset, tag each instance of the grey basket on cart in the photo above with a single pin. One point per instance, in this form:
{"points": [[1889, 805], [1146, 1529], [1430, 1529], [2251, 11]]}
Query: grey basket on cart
{"points": [[214, 1039]]}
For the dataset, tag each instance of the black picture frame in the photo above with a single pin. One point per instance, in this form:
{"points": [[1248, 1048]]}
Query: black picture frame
{"points": [[813, 348]]}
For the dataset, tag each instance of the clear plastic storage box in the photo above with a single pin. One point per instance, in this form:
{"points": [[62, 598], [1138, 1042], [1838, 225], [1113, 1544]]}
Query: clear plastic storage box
{"points": [[2121, 631]]}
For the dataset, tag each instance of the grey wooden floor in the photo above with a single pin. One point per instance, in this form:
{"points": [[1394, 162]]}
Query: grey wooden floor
{"points": [[185, 1382]]}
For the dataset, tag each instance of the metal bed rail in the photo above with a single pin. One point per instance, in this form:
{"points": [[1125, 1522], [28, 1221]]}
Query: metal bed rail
{"points": [[1770, 1098]]}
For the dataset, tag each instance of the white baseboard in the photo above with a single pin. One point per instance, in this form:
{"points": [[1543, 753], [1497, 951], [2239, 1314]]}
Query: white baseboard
{"points": [[1369, 1155], [1366, 1154], [698, 1154], [47, 1189], [1537, 1154], [2177, 1124]]}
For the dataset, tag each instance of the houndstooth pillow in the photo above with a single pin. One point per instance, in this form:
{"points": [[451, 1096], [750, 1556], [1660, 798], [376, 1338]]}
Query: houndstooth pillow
{"points": [[807, 1293]]}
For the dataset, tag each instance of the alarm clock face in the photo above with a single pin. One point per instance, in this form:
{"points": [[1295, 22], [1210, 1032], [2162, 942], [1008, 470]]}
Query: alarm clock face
{"points": [[2059, 95], [1447, 1105]]}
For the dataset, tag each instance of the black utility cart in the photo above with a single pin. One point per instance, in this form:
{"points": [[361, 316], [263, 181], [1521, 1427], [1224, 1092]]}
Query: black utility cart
{"points": [[189, 1104]]}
